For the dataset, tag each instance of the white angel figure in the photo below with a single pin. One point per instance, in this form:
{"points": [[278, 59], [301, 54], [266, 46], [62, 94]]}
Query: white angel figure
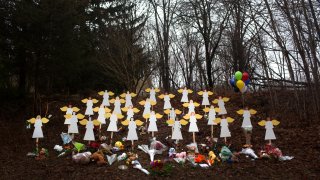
{"points": [[224, 123], [176, 133], [105, 94], [205, 97], [89, 102], [220, 101], [117, 105], [153, 92], [153, 122], [269, 125], [102, 111], [132, 129], [37, 133], [128, 96], [193, 123], [69, 110], [185, 93], [147, 106], [166, 97], [191, 106], [246, 123], [211, 116], [130, 111], [89, 134], [113, 125], [73, 128]]}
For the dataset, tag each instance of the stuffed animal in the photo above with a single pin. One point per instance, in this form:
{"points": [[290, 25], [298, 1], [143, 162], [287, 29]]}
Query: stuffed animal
{"points": [[131, 157], [199, 158], [99, 157], [119, 145], [212, 157], [43, 153]]}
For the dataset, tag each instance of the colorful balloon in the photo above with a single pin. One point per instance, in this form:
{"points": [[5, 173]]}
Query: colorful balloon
{"points": [[238, 75], [245, 76], [247, 82], [232, 81], [240, 84], [244, 89]]}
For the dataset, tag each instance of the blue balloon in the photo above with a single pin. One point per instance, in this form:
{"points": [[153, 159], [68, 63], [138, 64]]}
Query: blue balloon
{"points": [[232, 81], [247, 82]]}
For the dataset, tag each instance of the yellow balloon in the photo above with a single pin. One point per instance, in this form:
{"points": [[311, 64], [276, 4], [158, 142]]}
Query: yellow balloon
{"points": [[240, 84]]}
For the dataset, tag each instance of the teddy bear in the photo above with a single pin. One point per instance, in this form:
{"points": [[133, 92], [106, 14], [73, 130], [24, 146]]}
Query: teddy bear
{"points": [[99, 157], [131, 157]]}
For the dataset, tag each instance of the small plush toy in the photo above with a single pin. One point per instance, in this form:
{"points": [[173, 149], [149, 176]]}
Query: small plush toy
{"points": [[166, 97], [185, 93], [246, 123], [89, 102], [205, 97], [105, 94], [98, 156], [153, 92], [220, 101], [269, 124], [212, 158], [191, 106], [128, 96], [224, 123], [131, 157], [117, 105]]}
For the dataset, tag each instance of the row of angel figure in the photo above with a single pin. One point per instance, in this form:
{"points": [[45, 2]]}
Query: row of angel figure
{"points": [[71, 118]]}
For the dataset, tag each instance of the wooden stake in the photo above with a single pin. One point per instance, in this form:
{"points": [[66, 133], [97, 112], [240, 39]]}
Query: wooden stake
{"points": [[225, 140], [37, 145], [194, 137], [270, 141], [211, 131], [100, 130], [111, 137], [132, 145], [152, 133]]}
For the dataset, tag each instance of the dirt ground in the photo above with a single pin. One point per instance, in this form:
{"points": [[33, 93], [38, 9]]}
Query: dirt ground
{"points": [[294, 138]]}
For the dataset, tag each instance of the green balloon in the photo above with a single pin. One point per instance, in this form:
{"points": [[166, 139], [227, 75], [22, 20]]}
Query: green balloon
{"points": [[238, 75]]}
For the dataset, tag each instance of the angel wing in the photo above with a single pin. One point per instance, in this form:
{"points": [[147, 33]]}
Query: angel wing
{"points": [[158, 116], [187, 116], [32, 120], [225, 99], [84, 100], [96, 122], [68, 116], [101, 93], [96, 109], [275, 122], [157, 90], [133, 94], [171, 96], [138, 122], [83, 122], [64, 108], [95, 101], [198, 116], [183, 122], [136, 110], [210, 93], [44, 120], [124, 109], [153, 103], [240, 111], [217, 120], [107, 115], [123, 95], [180, 90], [252, 111], [120, 116], [107, 110], [217, 110], [196, 104], [170, 121], [146, 116], [185, 104], [167, 111], [215, 101], [142, 103], [161, 96], [148, 90], [230, 120], [112, 101], [75, 109], [200, 93], [125, 122], [262, 123], [122, 101], [110, 93], [177, 111], [80, 116], [190, 91], [206, 109]]}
